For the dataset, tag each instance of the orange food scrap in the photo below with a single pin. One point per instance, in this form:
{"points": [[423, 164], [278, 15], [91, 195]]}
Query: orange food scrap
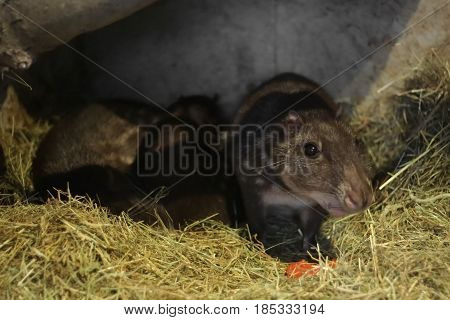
{"points": [[305, 268]]}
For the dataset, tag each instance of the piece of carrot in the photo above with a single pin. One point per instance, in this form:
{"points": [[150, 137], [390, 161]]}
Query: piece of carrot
{"points": [[304, 268]]}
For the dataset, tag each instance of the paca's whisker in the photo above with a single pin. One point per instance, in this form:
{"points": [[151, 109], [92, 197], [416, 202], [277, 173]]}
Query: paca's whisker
{"points": [[273, 164]]}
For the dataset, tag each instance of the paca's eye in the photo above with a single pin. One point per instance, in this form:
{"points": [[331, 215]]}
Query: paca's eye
{"points": [[311, 150]]}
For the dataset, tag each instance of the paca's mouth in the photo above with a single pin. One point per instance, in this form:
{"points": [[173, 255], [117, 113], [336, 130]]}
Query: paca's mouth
{"points": [[347, 206], [339, 211], [338, 206]]}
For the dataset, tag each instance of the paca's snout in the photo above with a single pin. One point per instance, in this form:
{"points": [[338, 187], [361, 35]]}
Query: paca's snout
{"points": [[358, 192], [357, 199]]}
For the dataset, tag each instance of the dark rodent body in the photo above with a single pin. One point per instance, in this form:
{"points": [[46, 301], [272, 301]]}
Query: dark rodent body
{"points": [[286, 210], [279, 93], [90, 153], [94, 152], [192, 195]]}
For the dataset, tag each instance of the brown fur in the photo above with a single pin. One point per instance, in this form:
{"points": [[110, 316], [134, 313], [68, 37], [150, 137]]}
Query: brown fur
{"points": [[307, 188], [94, 152], [289, 85]]}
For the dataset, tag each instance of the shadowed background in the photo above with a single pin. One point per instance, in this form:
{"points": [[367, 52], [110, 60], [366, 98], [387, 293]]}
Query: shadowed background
{"points": [[174, 48]]}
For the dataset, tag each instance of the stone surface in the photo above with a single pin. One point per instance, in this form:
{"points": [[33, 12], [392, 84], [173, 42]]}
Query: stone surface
{"points": [[226, 47], [25, 24], [174, 48]]}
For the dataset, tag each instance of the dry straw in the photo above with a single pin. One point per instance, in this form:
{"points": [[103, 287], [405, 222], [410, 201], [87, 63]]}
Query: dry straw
{"points": [[398, 249]]}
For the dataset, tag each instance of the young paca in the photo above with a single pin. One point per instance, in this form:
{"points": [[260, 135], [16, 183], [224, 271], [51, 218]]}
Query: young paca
{"points": [[94, 153], [296, 167]]}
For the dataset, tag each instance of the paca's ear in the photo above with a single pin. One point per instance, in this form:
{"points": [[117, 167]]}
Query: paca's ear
{"points": [[292, 123], [293, 119]]}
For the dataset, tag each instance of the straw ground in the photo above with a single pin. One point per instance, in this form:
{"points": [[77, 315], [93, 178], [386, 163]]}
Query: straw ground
{"points": [[398, 249]]}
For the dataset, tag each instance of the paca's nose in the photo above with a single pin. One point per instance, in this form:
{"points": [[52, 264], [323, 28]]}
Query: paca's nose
{"points": [[352, 201], [356, 200], [357, 190]]}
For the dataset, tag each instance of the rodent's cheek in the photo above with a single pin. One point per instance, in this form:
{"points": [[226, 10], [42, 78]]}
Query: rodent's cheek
{"points": [[311, 171], [330, 203]]}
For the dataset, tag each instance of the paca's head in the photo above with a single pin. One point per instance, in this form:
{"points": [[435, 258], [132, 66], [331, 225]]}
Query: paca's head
{"points": [[324, 163]]}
